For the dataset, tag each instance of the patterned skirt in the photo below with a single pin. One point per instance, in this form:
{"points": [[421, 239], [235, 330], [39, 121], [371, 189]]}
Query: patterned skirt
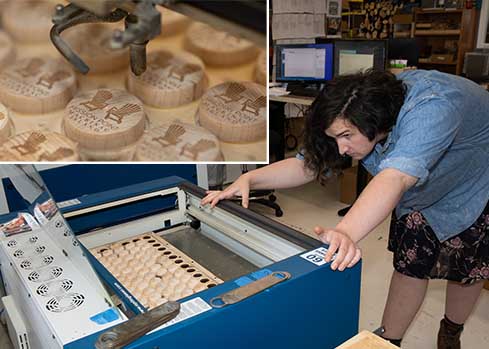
{"points": [[418, 252]]}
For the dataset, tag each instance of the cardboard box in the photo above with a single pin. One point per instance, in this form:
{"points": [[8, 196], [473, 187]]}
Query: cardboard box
{"points": [[348, 185]]}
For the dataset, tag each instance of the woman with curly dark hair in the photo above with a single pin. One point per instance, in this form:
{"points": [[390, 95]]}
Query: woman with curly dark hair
{"points": [[424, 136]]}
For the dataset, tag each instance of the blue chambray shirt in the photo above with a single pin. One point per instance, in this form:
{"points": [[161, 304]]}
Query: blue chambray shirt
{"points": [[442, 137]]}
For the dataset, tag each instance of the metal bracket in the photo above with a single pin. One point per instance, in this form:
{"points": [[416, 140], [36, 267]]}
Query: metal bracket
{"points": [[127, 332], [246, 291], [142, 23]]}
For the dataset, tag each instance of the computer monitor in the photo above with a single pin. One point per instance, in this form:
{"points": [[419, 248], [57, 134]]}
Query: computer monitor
{"points": [[403, 48], [308, 63], [352, 56]]}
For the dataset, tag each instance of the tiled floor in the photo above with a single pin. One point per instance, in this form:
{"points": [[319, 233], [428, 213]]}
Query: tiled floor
{"points": [[313, 205]]}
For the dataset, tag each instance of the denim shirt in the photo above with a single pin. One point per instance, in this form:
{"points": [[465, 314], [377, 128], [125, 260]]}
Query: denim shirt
{"points": [[441, 137]]}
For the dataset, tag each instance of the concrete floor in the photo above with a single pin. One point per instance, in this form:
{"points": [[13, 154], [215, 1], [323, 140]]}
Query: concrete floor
{"points": [[313, 205]]}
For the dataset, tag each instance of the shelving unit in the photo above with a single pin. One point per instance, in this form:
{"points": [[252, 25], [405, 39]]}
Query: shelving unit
{"points": [[443, 36], [354, 15]]}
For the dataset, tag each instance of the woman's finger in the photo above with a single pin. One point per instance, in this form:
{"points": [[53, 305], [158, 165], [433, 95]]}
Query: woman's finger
{"points": [[341, 254], [333, 246], [358, 255], [208, 198], [348, 258]]}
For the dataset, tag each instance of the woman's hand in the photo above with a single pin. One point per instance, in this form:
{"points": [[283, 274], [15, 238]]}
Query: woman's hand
{"points": [[348, 254], [241, 187]]}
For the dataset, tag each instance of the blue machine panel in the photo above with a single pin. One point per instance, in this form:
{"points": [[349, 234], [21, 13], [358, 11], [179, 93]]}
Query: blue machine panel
{"points": [[316, 308], [74, 181]]}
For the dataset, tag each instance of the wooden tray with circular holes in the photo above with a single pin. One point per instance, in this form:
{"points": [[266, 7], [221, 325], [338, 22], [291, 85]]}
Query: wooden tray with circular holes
{"points": [[52, 121], [154, 270]]}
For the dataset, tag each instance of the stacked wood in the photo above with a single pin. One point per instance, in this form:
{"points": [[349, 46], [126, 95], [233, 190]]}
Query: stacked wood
{"points": [[377, 23]]}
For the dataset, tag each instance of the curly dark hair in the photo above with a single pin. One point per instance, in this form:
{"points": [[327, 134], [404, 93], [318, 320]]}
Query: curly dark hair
{"points": [[369, 100]]}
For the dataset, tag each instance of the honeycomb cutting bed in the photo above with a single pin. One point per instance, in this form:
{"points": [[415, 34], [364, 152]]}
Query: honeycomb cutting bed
{"points": [[153, 270]]}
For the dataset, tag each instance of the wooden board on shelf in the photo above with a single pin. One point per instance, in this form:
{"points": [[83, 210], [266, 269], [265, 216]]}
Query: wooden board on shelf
{"points": [[436, 32]]}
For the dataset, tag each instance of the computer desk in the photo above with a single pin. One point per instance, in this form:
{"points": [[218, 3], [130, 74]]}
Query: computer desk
{"points": [[302, 100], [362, 175]]}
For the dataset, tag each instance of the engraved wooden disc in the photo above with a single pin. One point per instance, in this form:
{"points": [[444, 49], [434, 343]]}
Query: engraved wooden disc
{"points": [[4, 123], [261, 69], [28, 21], [7, 50], [92, 43], [37, 85], [172, 22], [235, 111], [38, 146], [171, 79], [178, 141], [104, 119], [218, 47]]}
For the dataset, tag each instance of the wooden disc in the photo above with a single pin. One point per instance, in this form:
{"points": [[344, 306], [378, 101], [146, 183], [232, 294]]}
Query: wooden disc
{"points": [[92, 43], [235, 111], [28, 21], [178, 141], [171, 79], [104, 119], [7, 50], [37, 85], [172, 22], [38, 146], [218, 47], [5, 125], [116, 154], [261, 69]]}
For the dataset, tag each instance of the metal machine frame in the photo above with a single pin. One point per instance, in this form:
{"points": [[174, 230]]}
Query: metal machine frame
{"points": [[313, 305]]}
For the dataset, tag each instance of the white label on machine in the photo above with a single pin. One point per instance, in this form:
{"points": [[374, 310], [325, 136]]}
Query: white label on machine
{"points": [[68, 203], [316, 256], [188, 309]]}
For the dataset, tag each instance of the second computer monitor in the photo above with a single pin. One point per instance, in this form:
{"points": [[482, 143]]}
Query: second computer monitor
{"points": [[310, 63], [352, 56]]}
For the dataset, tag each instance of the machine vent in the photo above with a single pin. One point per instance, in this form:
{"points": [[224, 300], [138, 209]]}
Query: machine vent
{"points": [[29, 264], [75, 242], [21, 253], [54, 287], [12, 243], [61, 304], [26, 264], [58, 224], [45, 274], [33, 239], [23, 341], [66, 232]]}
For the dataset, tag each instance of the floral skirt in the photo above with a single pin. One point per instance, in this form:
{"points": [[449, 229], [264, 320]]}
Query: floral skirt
{"points": [[418, 252]]}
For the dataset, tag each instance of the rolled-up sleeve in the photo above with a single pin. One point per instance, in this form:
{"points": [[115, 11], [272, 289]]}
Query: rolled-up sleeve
{"points": [[425, 134]]}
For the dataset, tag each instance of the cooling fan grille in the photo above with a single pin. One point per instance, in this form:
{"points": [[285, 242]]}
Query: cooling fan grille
{"points": [[45, 274], [12, 243], [54, 288], [37, 263], [23, 253], [67, 302]]}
